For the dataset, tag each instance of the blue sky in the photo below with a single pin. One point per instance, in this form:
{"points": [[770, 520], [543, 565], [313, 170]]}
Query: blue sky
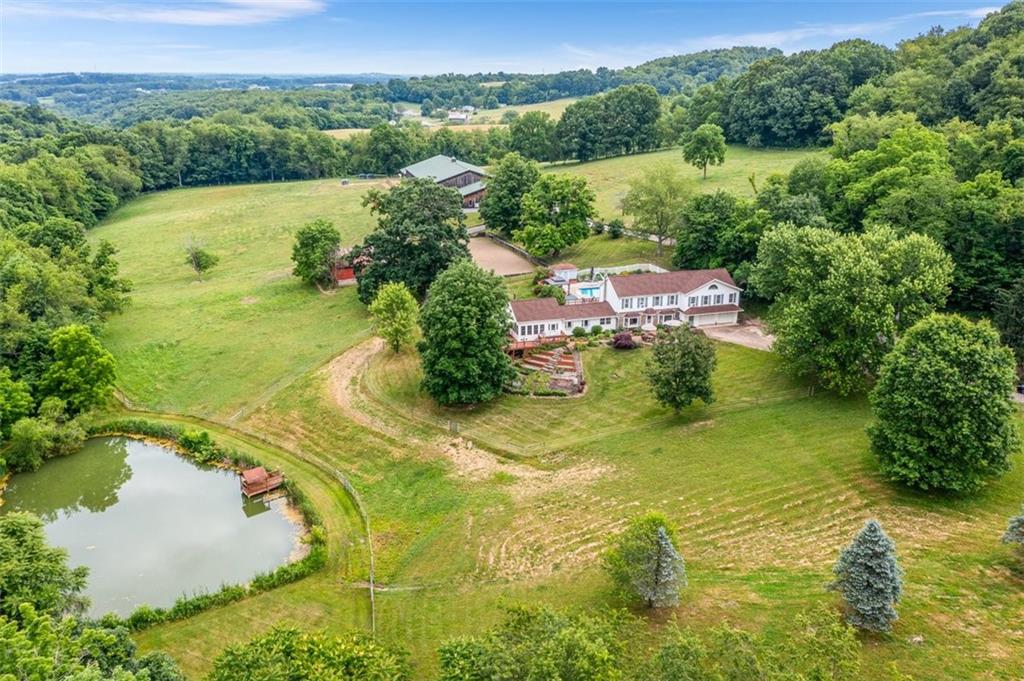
{"points": [[324, 36]]}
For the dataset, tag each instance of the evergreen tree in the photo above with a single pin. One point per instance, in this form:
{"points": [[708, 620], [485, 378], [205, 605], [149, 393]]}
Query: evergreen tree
{"points": [[1015, 530], [869, 579], [644, 562]]}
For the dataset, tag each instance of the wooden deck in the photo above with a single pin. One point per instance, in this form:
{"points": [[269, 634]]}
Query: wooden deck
{"points": [[520, 346], [258, 481]]}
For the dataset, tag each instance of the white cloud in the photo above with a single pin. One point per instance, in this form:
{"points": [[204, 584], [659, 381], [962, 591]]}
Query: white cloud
{"points": [[210, 13]]}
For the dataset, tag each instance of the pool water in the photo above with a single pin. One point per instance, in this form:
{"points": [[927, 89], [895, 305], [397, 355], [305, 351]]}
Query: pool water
{"points": [[151, 525]]}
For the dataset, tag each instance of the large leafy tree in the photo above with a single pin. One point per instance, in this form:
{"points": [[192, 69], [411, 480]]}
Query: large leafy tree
{"points": [[81, 372], [1008, 317], [395, 312], [657, 201], [705, 146], [533, 136], [465, 325], [943, 416], [33, 573], [644, 564], [420, 232], [15, 403], [556, 211], [287, 653], [315, 250], [870, 579], [511, 178], [680, 367], [841, 301]]}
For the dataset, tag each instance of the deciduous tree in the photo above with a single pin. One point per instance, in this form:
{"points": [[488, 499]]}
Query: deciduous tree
{"points": [[81, 372], [465, 325], [420, 232], [502, 207], [1008, 317], [33, 573], [199, 259], [680, 368], [869, 579], [657, 201], [943, 416], [555, 212], [315, 251], [395, 312], [841, 301], [705, 146]]}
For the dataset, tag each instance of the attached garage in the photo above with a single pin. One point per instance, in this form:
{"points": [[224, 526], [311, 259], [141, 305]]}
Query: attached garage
{"points": [[714, 315]]}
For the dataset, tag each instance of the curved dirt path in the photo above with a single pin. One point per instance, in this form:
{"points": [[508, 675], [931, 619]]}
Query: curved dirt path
{"points": [[344, 375]]}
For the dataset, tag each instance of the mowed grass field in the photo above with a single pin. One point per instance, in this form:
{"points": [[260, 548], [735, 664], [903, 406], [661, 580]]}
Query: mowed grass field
{"points": [[610, 177], [766, 484], [221, 346]]}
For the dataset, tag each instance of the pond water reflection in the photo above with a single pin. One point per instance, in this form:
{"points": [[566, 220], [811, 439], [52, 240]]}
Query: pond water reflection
{"points": [[150, 525]]}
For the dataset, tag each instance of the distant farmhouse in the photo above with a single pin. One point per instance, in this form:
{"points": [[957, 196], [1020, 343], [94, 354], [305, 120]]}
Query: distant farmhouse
{"points": [[451, 172], [695, 297], [458, 117]]}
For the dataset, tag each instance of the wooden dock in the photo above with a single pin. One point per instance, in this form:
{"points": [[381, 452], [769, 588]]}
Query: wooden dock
{"points": [[259, 481]]}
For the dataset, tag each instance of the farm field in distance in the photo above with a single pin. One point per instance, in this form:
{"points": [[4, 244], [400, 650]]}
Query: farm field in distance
{"points": [[610, 177]]}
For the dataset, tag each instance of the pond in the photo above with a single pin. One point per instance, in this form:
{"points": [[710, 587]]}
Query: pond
{"points": [[151, 525]]}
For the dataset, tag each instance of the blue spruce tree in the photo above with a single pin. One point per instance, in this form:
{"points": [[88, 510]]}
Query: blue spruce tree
{"points": [[658, 583], [869, 579], [1015, 530]]}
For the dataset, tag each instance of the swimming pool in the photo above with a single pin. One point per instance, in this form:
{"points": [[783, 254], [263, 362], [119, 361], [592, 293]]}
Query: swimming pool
{"points": [[590, 291]]}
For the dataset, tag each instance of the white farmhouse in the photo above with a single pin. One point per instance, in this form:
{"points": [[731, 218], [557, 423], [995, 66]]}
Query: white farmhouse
{"points": [[697, 297], [539, 318]]}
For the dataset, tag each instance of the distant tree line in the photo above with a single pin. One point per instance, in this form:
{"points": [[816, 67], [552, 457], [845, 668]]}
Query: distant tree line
{"points": [[969, 74]]}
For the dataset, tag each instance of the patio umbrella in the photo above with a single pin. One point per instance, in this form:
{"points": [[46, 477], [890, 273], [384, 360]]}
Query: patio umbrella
{"points": [[648, 327], [673, 322]]}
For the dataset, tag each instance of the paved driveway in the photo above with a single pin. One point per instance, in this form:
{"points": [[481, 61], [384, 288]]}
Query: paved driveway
{"points": [[748, 334]]}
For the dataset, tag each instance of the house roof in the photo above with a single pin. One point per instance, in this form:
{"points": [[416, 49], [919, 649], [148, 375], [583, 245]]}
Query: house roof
{"points": [[257, 474], [471, 188], [537, 309], [711, 309], [442, 167], [682, 281]]}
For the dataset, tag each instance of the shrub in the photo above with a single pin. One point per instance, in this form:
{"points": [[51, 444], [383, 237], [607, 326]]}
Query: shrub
{"points": [[623, 340], [579, 332], [596, 330], [550, 291], [597, 227], [199, 444], [616, 228]]}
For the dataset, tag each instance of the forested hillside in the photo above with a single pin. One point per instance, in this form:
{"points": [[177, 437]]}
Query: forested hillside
{"points": [[968, 73]]}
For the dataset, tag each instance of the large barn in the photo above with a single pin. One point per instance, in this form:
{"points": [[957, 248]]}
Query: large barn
{"points": [[451, 172]]}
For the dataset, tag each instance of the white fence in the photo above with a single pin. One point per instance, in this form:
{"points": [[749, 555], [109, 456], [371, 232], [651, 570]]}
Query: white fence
{"points": [[594, 273]]}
